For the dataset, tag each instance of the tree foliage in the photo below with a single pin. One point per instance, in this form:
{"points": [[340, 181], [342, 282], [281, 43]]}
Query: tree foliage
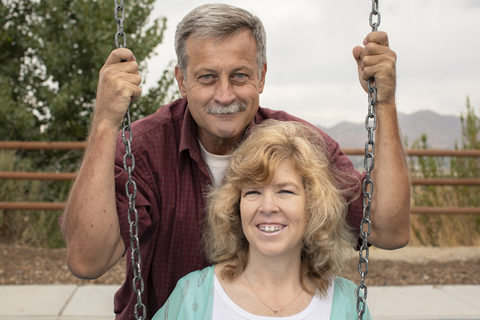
{"points": [[15, 41], [54, 50]]}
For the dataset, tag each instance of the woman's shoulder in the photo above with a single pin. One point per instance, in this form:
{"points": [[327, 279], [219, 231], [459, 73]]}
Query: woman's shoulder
{"points": [[345, 286], [191, 298], [199, 275], [345, 299]]}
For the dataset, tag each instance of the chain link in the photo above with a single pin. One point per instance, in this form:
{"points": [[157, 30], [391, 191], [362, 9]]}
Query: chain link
{"points": [[376, 13], [367, 186], [140, 310], [119, 18]]}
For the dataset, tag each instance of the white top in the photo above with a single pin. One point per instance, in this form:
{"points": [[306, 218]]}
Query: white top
{"points": [[225, 308], [217, 165]]}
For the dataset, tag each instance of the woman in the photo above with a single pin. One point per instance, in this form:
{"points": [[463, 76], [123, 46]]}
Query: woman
{"points": [[276, 235]]}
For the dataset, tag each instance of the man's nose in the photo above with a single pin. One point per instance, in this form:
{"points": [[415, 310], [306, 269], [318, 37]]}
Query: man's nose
{"points": [[224, 94]]}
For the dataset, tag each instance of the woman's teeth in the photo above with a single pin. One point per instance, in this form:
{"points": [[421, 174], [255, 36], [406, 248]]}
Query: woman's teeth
{"points": [[271, 228]]}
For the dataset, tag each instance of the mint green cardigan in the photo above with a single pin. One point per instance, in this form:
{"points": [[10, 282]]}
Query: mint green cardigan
{"points": [[192, 298]]}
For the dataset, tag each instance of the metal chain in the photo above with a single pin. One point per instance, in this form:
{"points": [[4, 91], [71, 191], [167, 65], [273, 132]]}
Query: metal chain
{"points": [[130, 185], [119, 18], [367, 187]]}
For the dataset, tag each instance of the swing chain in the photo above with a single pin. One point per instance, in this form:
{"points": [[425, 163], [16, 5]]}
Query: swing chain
{"points": [[119, 18], [130, 185], [367, 186], [376, 13]]}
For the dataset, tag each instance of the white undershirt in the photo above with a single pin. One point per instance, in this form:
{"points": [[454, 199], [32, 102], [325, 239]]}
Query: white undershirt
{"points": [[217, 165], [225, 308]]}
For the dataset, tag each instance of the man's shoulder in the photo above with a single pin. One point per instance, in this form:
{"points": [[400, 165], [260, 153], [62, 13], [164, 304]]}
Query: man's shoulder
{"points": [[265, 113], [168, 115]]}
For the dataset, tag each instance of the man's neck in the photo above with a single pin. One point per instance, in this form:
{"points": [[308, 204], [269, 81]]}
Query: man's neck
{"points": [[218, 146]]}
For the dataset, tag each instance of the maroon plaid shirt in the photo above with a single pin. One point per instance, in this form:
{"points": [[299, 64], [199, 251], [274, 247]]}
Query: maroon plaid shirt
{"points": [[171, 175]]}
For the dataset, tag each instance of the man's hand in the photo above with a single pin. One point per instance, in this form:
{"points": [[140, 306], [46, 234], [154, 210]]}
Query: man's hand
{"points": [[117, 87], [377, 60]]}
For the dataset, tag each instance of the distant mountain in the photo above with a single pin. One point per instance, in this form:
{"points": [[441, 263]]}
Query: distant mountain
{"points": [[441, 131]]}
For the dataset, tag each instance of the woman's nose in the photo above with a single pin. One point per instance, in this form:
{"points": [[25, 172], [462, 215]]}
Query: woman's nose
{"points": [[269, 204]]}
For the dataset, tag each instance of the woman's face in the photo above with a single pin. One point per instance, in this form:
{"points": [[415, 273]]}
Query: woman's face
{"points": [[273, 216]]}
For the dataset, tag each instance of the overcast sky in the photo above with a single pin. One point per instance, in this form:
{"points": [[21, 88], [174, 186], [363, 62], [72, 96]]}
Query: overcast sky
{"points": [[312, 74]]}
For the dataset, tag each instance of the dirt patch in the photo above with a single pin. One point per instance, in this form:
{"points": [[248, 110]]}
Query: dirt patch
{"points": [[409, 266], [24, 265]]}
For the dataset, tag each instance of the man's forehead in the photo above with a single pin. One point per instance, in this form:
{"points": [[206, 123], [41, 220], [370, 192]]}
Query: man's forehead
{"points": [[198, 37], [204, 55]]}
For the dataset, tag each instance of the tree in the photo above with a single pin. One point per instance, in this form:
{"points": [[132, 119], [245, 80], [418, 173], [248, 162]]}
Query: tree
{"points": [[15, 41], [55, 49]]}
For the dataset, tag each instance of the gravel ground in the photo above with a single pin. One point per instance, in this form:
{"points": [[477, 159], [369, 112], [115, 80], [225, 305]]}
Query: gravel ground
{"points": [[408, 266]]}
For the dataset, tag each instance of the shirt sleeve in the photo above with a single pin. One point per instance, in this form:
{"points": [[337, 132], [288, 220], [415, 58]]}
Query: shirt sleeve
{"points": [[345, 300], [191, 299], [350, 181]]}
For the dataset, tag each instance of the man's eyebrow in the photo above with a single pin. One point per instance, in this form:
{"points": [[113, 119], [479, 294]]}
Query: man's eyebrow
{"points": [[242, 68], [204, 71]]}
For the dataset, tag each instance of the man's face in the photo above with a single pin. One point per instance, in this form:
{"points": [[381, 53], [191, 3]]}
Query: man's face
{"points": [[222, 85]]}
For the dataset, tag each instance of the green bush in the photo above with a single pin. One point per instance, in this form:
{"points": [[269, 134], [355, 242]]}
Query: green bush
{"points": [[448, 230]]}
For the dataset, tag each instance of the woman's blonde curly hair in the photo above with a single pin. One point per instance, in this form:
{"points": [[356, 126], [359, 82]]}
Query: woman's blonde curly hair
{"points": [[327, 236]]}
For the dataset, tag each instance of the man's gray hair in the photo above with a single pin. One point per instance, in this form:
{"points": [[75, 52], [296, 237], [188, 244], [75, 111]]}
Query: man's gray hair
{"points": [[219, 21]]}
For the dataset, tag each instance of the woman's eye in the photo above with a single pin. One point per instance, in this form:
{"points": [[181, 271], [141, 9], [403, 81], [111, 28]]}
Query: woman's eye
{"points": [[251, 192], [286, 192]]}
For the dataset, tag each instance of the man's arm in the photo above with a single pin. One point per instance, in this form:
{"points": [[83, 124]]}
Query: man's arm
{"points": [[90, 223], [390, 210]]}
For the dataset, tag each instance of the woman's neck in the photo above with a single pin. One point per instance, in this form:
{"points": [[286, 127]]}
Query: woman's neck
{"points": [[269, 286], [274, 272]]}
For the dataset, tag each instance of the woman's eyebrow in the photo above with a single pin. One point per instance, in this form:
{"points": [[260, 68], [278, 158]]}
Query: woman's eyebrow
{"points": [[287, 184]]}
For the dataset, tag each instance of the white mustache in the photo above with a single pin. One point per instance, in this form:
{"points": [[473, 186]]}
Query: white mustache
{"points": [[235, 107]]}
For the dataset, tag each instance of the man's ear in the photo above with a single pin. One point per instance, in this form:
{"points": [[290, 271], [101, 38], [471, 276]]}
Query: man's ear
{"points": [[180, 81], [262, 78]]}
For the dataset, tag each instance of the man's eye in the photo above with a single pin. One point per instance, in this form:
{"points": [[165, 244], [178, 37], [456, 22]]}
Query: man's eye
{"points": [[206, 77], [240, 75]]}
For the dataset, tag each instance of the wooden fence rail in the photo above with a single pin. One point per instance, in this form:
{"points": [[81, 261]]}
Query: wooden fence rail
{"points": [[66, 145], [67, 176]]}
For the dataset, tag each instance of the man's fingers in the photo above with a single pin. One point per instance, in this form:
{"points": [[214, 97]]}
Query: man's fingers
{"points": [[137, 91], [120, 75], [120, 55], [357, 53], [378, 37]]}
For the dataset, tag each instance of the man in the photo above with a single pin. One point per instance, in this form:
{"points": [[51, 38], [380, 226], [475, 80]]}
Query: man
{"points": [[184, 147]]}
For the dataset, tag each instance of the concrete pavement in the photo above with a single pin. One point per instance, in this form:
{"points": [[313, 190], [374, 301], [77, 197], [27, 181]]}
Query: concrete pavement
{"points": [[95, 302]]}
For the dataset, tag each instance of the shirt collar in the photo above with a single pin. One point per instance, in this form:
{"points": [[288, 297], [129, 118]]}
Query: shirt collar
{"points": [[188, 139]]}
